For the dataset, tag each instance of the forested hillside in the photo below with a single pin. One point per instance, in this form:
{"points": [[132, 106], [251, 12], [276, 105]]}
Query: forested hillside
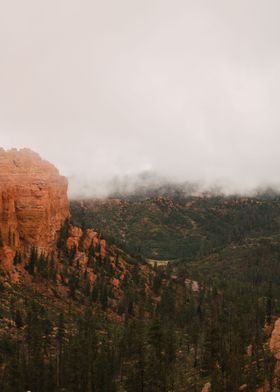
{"points": [[165, 228], [93, 316], [189, 324]]}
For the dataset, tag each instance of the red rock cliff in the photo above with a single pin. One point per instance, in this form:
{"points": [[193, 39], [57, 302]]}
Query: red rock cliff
{"points": [[33, 201]]}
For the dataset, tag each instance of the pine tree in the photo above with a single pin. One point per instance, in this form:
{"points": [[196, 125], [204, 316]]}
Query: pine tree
{"points": [[33, 259]]}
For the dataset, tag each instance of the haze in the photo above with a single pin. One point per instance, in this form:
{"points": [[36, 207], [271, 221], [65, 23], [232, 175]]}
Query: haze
{"points": [[188, 90]]}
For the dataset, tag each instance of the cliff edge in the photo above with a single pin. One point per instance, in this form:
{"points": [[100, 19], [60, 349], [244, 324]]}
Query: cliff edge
{"points": [[33, 203]]}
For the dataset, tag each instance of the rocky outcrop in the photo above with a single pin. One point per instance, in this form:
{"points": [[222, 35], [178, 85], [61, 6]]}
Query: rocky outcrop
{"points": [[33, 202], [274, 345], [88, 238], [206, 388]]}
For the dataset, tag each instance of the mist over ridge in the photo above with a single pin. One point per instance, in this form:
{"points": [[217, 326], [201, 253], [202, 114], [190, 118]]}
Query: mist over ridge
{"points": [[149, 184]]}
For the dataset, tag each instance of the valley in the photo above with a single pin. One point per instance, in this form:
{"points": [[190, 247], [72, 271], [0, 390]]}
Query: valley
{"points": [[170, 293]]}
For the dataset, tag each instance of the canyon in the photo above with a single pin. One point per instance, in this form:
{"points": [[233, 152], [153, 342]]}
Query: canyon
{"points": [[79, 295]]}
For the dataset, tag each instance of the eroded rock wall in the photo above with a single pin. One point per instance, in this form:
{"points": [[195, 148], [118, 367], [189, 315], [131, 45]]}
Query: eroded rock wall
{"points": [[33, 201]]}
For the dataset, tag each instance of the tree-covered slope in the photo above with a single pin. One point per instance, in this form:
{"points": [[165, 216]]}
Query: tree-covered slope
{"points": [[167, 229]]}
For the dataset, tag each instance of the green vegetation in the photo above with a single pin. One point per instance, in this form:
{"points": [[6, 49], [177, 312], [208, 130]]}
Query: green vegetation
{"points": [[179, 228]]}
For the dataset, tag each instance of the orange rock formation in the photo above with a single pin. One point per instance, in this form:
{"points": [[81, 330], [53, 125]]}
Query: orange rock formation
{"points": [[274, 346], [33, 202]]}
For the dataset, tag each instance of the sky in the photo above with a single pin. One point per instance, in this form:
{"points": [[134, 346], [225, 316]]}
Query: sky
{"points": [[189, 90]]}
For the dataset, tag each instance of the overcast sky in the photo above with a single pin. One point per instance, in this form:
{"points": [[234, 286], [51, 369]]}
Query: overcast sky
{"points": [[189, 89]]}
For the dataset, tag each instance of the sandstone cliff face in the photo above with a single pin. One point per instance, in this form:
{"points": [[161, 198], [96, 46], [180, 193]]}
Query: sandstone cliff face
{"points": [[33, 201], [274, 346]]}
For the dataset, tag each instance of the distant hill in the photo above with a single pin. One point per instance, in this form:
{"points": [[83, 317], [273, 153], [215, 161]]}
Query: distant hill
{"points": [[178, 227]]}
